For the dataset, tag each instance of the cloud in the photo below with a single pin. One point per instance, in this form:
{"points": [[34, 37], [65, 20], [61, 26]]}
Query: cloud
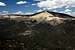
{"points": [[39, 10], [22, 13], [21, 2], [38, 0], [2, 4], [18, 12], [55, 11], [68, 11], [53, 4], [73, 14], [33, 4], [28, 13], [5, 12]]}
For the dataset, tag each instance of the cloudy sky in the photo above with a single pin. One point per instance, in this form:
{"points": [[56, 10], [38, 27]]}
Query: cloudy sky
{"points": [[33, 6]]}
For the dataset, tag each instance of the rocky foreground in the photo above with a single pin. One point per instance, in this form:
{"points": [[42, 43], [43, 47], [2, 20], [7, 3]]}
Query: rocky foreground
{"points": [[33, 35]]}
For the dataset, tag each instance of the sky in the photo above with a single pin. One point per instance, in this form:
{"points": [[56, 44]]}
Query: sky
{"points": [[34, 6]]}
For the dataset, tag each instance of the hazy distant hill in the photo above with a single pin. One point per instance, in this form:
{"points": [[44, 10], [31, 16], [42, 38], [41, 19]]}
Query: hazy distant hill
{"points": [[40, 30]]}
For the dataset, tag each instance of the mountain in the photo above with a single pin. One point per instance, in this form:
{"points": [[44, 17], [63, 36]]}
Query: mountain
{"points": [[43, 30], [53, 18]]}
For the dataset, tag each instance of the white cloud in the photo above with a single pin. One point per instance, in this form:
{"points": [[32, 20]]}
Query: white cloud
{"points": [[55, 11], [33, 4], [38, 0], [21, 2], [18, 12], [67, 7], [52, 4], [2, 4], [5, 12], [21, 13], [29, 13], [71, 13], [68, 11], [61, 12], [39, 10]]}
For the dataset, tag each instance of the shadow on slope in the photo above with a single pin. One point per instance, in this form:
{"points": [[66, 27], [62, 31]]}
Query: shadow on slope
{"points": [[43, 35]]}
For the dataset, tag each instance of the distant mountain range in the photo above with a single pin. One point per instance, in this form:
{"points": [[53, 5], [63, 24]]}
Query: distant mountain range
{"points": [[40, 16], [53, 13]]}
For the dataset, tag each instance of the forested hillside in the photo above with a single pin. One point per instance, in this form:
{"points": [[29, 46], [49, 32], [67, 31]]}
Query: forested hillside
{"points": [[34, 35]]}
